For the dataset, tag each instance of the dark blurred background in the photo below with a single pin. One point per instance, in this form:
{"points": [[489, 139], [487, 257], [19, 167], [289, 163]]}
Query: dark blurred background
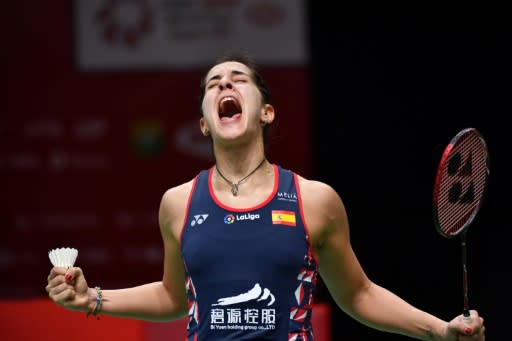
{"points": [[94, 126], [389, 92]]}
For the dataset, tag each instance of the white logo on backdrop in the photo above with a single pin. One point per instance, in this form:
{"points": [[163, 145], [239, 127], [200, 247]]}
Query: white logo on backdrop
{"points": [[138, 34]]}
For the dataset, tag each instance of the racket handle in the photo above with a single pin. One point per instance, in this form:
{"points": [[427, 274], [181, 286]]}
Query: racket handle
{"points": [[465, 313], [466, 316]]}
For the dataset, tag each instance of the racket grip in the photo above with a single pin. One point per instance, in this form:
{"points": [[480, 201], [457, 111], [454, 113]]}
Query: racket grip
{"points": [[466, 316]]}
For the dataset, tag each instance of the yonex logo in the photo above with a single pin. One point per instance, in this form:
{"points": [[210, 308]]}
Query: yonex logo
{"points": [[198, 219]]}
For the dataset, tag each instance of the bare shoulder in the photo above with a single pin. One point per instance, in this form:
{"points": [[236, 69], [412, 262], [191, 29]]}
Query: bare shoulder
{"points": [[323, 208], [318, 193], [175, 195], [173, 207]]}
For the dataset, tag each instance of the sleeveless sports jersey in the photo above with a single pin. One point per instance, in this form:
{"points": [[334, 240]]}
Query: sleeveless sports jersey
{"points": [[250, 273]]}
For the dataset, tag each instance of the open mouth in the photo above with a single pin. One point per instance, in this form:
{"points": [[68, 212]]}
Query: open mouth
{"points": [[229, 107]]}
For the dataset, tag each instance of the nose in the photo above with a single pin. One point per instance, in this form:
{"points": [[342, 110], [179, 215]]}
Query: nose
{"points": [[225, 83]]}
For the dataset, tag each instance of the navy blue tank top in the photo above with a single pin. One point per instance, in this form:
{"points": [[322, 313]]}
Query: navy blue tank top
{"points": [[250, 273]]}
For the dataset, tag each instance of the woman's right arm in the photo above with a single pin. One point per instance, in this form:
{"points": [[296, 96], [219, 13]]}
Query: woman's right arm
{"points": [[163, 300]]}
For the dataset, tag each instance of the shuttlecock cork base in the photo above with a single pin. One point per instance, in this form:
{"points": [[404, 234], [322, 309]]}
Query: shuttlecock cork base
{"points": [[63, 257]]}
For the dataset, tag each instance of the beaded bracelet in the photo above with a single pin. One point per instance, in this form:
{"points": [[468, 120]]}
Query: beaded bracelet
{"points": [[99, 301]]}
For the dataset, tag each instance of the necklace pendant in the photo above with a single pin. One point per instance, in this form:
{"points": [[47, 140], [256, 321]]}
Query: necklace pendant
{"points": [[234, 189]]}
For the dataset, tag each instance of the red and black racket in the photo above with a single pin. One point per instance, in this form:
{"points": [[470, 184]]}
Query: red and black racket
{"points": [[460, 185]]}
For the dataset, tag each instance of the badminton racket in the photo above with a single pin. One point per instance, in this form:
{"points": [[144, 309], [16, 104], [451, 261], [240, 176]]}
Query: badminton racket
{"points": [[460, 184]]}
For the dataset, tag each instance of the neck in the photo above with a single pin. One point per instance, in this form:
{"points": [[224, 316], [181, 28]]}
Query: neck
{"points": [[238, 159], [236, 182]]}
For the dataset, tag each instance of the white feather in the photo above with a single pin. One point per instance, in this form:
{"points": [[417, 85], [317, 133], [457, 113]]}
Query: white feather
{"points": [[63, 257]]}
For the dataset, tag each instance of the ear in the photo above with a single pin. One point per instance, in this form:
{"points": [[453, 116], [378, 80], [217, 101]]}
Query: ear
{"points": [[203, 127], [267, 114]]}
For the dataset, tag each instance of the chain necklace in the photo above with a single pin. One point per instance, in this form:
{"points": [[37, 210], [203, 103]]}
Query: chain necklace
{"points": [[234, 186]]}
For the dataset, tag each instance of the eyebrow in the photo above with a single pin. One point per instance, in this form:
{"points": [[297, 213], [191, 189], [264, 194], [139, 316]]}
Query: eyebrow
{"points": [[233, 72]]}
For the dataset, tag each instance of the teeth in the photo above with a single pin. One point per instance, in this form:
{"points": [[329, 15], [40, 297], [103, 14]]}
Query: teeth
{"points": [[228, 98]]}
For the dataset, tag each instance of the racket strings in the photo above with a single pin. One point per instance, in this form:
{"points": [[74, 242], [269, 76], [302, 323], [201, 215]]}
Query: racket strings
{"points": [[462, 184]]}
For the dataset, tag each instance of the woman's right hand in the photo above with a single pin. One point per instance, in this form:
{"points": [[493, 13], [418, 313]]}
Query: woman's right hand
{"points": [[68, 288]]}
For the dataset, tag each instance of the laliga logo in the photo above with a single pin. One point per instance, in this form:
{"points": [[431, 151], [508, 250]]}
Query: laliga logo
{"points": [[230, 218]]}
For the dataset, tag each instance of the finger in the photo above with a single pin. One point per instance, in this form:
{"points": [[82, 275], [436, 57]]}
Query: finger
{"points": [[480, 333], [64, 296], [62, 292], [474, 319], [58, 288], [474, 330], [73, 273], [55, 281], [473, 313], [477, 323], [55, 271]]}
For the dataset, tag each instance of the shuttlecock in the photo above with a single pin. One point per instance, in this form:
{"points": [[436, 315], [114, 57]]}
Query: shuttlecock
{"points": [[63, 257]]}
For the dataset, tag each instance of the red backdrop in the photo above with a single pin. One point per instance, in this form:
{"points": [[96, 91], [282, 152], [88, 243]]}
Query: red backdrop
{"points": [[85, 157]]}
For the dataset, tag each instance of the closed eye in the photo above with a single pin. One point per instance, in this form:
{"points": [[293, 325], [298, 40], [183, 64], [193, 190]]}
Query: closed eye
{"points": [[212, 84]]}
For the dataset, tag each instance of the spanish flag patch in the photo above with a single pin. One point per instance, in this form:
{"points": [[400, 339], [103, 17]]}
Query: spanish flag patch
{"points": [[283, 217]]}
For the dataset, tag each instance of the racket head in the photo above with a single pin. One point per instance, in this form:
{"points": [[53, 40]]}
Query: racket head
{"points": [[461, 182]]}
